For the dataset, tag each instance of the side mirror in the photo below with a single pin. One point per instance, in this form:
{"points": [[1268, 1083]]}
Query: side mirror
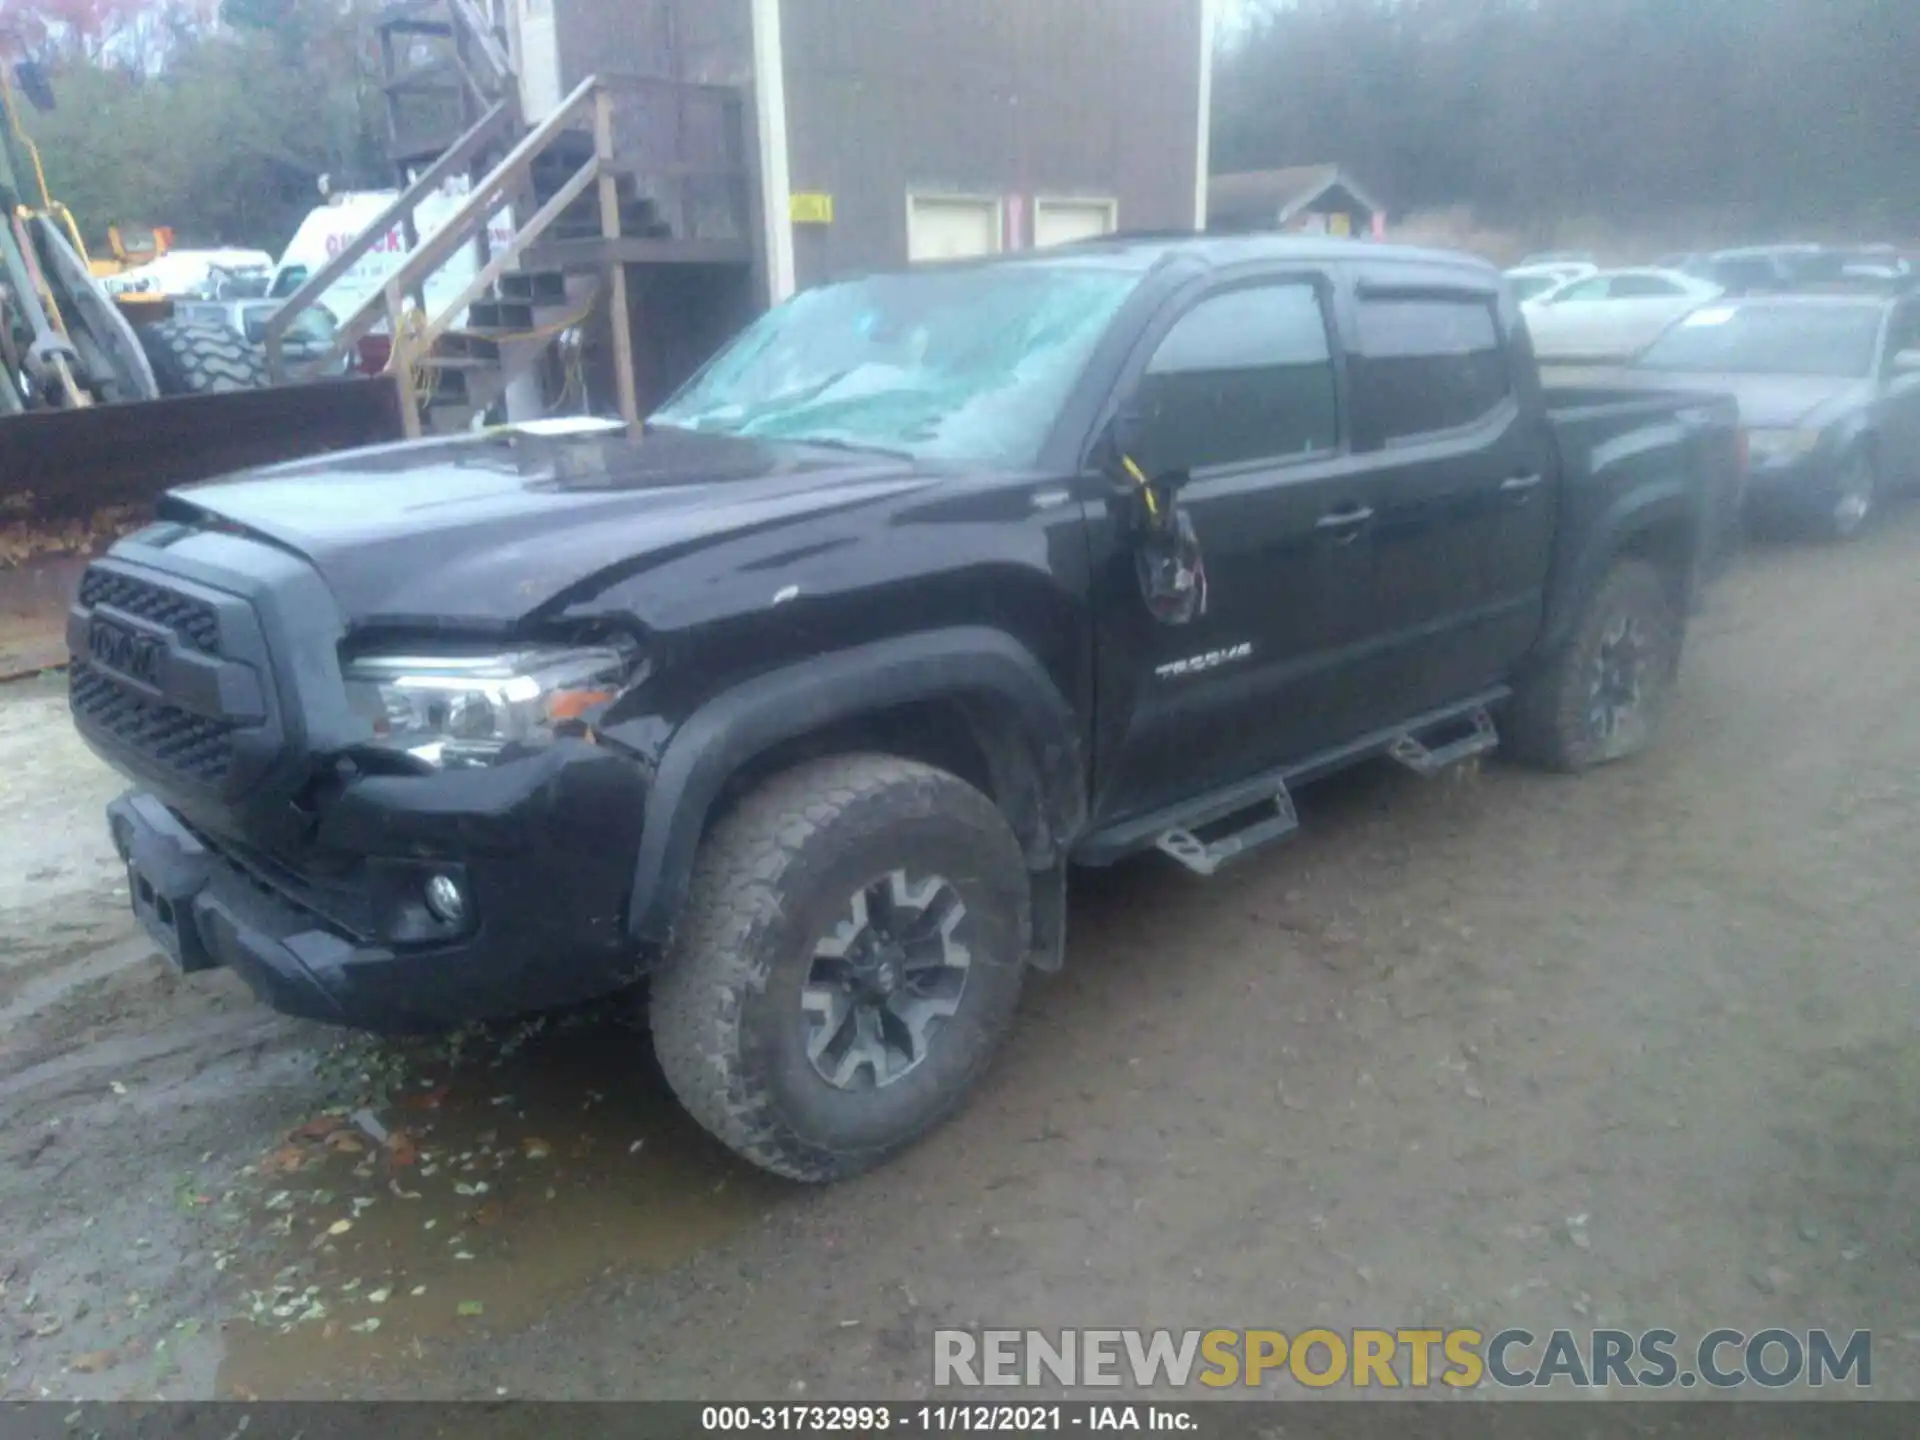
{"points": [[1906, 362], [1126, 456]]}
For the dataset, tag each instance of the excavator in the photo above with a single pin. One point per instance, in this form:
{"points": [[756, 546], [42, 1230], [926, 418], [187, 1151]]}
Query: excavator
{"points": [[107, 400]]}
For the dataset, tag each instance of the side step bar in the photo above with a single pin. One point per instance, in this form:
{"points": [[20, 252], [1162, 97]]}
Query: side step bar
{"points": [[1413, 752], [1264, 824], [1206, 833]]}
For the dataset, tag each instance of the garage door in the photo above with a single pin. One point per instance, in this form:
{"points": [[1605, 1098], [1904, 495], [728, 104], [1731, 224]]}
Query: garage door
{"points": [[946, 228], [1061, 222]]}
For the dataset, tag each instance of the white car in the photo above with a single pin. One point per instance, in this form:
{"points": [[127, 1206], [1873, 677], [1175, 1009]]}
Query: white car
{"points": [[1611, 314], [1533, 281]]}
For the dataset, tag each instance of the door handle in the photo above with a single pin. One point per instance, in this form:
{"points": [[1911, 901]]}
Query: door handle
{"points": [[1351, 517], [1519, 487]]}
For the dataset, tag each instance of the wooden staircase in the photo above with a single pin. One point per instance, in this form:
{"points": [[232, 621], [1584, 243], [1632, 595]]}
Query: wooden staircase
{"points": [[579, 218]]}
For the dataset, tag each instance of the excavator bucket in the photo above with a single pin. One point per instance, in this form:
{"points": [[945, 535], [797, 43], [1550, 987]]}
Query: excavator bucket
{"points": [[75, 480]]}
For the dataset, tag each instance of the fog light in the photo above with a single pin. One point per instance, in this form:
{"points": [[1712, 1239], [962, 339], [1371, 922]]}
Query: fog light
{"points": [[446, 900]]}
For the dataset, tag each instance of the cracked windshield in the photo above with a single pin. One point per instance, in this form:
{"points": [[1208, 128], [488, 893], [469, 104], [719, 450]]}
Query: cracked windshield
{"points": [[926, 715]]}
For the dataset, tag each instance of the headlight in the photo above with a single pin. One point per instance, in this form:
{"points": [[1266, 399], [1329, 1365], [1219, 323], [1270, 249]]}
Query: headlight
{"points": [[452, 711], [1776, 445]]}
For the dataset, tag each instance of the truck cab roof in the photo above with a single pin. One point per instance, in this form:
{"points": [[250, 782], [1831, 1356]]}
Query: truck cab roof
{"points": [[1147, 250]]}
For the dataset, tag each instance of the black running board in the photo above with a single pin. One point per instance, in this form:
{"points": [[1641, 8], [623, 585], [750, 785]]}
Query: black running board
{"points": [[1228, 824]]}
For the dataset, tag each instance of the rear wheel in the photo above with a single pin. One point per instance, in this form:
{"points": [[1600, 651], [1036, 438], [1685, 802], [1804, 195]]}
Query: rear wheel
{"points": [[1600, 698], [849, 959], [198, 359]]}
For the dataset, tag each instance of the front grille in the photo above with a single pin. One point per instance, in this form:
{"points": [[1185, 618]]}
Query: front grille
{"points": [[196, 747], [194, 621]]}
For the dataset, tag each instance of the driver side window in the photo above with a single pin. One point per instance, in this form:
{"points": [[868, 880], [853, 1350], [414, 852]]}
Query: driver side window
{"points": [[1246, 375]]}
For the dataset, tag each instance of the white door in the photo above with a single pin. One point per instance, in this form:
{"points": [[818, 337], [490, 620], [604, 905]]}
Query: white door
{"points": [[1061, 222], [951, 228]]}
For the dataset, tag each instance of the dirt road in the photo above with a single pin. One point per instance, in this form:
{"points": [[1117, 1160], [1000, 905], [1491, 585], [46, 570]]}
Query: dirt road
{"points": [[1634, 1049]]}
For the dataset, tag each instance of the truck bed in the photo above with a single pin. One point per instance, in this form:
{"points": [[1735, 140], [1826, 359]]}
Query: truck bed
{"points": [[1610, 435]]}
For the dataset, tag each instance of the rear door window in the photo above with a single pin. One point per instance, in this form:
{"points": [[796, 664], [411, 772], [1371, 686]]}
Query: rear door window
{"points": [[1427, 366]]}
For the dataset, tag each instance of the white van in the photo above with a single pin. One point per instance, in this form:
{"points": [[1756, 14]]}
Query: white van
{"points": [[334, 226]]}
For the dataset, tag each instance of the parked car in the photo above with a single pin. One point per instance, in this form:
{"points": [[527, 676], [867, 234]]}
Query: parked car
{"points": [[1609, 315], [1771, 269], [1829, 394], [1560, 257], [928, 586], [1530, 281]]}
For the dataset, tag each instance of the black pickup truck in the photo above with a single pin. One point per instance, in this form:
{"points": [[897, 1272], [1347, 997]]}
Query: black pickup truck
{"points": [[798, 707]]}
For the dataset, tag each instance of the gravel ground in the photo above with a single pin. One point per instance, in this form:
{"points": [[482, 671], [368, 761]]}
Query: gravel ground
{"points": [[1492, 1049]]}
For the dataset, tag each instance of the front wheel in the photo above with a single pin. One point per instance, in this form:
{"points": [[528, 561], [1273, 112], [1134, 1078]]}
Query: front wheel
{"points": [[1600, 698], [850, 958], [1856, 493]]}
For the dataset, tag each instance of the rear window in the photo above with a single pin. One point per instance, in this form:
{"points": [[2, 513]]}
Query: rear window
{"points": [[1427, 366]]}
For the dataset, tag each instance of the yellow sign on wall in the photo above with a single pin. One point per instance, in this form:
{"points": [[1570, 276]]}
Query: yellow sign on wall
{"points": [[811, 208]]}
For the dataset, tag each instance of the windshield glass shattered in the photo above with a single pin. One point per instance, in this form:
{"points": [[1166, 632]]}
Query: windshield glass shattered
{"points": [[965, 365], [1835, 341]]}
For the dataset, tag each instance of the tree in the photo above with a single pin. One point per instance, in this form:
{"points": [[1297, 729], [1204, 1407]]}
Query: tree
{"points": [[170, 114], [1795, 115]]}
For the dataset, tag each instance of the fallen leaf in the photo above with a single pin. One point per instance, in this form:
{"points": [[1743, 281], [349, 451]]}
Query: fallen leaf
{"points": [[241, 1392], [378, 1297], [93, 1362], [118, 1088], [366, 1326], [418, 1290], [536, 1148], [51, 1326], [318, 1128], [394, 1186], [401, 1149], [425, 1099], [345, 1144], [339, 1227], [471, 1307]]}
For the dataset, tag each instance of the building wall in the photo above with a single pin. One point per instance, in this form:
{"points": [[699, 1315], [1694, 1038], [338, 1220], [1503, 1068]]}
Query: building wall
{"points": [[1014, 99]]}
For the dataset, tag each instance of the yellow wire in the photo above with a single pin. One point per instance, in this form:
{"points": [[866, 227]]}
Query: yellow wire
{"points": [[420, 367], [1146, 485]]}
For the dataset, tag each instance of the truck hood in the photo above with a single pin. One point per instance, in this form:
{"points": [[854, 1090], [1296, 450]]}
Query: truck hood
{"points": [[489, 529], [1770, 401]]}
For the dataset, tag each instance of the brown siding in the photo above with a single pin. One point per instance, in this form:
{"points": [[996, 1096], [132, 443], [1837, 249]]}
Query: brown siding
{"points": [[995, 97], [992, 97]]}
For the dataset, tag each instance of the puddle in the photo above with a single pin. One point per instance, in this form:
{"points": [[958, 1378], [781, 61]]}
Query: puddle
{"points": [[482, 1189]]}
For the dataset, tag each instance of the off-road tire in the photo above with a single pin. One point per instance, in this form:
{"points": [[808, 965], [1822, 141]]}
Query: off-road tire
{"points": [[199, 359], [1551, 723], [768, 884]]}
